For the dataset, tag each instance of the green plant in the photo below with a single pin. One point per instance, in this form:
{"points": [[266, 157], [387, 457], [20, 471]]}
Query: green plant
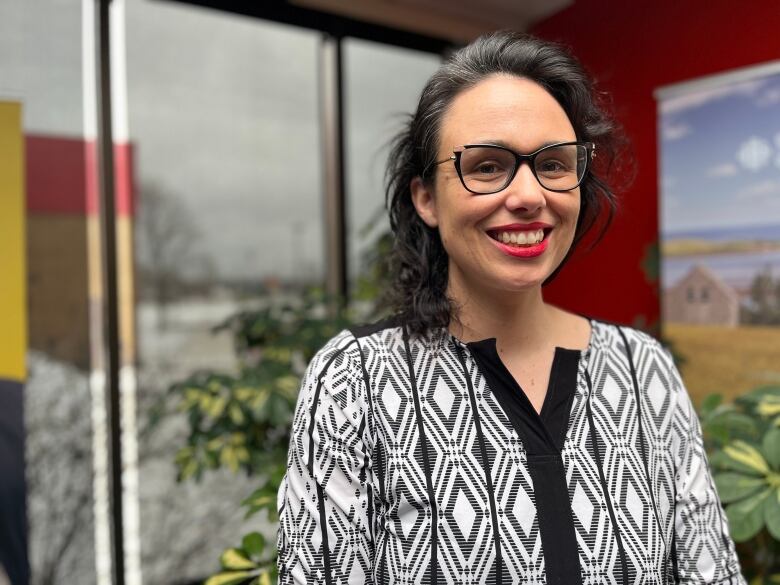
{"points": [[242, 422], [743, 441]]}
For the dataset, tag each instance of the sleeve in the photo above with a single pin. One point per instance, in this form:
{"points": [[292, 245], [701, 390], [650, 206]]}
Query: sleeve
{"points": [[325, 498], [703, 552]]}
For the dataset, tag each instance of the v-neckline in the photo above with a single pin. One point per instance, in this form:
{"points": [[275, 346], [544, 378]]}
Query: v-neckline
{"points": [[542, 432]]}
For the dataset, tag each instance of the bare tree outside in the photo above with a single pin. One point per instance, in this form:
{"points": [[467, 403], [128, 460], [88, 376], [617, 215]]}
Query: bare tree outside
{"points": [[59, 476], [59, 473], [169, 262]]}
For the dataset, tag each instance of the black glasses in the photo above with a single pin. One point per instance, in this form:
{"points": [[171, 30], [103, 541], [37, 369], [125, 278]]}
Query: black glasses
{"points": [[487, 168]]}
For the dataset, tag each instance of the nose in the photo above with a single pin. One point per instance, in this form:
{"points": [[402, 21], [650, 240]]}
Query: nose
{"points": [[525, 193]]}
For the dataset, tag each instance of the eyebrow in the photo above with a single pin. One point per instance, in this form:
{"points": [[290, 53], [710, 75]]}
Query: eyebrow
{"points": [[499, 142]]}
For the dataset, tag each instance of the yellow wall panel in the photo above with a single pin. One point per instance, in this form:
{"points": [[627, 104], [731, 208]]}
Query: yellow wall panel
{"points": [[13, 292]]}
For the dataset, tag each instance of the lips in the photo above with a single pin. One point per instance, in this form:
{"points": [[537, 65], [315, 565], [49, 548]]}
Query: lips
{"points": [[521, 240]]}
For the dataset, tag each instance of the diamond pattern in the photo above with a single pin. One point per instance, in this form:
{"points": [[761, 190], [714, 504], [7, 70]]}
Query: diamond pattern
{"points": [[635, 506], [408, 517], [525, 511], [612, 393], [391, 401], [582, 507], [657, 399], [706, 564], [403, 496], [444, 397], [464, 514]]}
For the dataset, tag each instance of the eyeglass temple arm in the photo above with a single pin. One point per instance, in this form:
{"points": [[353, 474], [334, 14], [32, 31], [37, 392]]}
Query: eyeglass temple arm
{"points": [[444, 160]]}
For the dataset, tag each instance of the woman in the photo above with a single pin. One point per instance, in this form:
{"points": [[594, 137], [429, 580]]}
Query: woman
{"points": [[483, 435]]}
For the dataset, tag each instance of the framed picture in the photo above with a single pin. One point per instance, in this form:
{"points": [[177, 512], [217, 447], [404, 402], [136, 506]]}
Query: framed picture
{"points": [[719, 141]]}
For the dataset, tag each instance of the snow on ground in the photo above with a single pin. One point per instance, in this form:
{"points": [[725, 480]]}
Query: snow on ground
{"points": [[184, 526]]}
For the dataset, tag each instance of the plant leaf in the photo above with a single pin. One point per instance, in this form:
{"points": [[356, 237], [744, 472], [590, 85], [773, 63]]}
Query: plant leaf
{"points": [[232, 578], [758, 394], [769, 406], [235, 560], [748, 455], [725, 424], [746, 517], [253, 543], [709, 403], [772, 513], [736, 486], [771, 447]]}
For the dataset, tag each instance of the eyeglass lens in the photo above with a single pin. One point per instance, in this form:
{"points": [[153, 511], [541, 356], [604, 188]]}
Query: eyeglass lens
{"points": [[487, 169]]}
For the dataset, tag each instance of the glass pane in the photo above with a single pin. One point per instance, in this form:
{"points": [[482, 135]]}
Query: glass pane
{"points": [[224, 130], [41, 70], [382, 85]]}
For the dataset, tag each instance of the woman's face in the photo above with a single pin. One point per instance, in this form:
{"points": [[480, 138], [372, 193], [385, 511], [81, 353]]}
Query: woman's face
{"points": [[521, 115]]}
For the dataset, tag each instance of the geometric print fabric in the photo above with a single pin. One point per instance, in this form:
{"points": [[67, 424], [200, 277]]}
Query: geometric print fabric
{"points": [[404, 467]]}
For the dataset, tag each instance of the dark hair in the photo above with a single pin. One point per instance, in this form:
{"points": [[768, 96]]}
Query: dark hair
{"points": [[419, 260]]}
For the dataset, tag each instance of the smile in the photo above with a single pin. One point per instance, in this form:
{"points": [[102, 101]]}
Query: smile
{"points": [[525, 238], [521, 241]]}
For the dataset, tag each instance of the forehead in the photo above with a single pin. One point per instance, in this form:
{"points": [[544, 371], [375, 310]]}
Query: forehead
{"points": [[516, 111]]}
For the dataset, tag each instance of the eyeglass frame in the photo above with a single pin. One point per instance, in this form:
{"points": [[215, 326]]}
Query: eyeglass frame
{"points": [[519, 158]]}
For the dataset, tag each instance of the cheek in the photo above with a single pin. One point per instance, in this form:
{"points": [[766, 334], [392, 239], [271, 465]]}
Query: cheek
{"points": [[574, 215], [459, 232], [571, 211], [459, 218], [576, 202]]}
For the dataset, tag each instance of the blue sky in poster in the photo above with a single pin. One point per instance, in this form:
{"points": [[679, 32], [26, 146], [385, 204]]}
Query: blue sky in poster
{"points": [[720, 157]]}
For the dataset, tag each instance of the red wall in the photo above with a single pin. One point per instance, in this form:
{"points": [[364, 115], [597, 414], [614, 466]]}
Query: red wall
{"points": [[632, 48]]}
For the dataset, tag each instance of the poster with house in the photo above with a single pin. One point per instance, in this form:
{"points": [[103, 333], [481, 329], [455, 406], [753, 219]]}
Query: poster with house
{"points": [[719, 141]]}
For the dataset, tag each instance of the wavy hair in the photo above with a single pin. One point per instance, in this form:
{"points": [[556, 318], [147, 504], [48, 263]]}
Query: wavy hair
{"points": [[418, 261]]}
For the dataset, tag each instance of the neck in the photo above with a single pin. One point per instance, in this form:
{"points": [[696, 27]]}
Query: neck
{"points": [[518, 319]]}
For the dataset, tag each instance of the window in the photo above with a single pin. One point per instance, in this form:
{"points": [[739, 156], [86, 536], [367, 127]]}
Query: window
{"points": [[382, 85], [41, 69], [223, 119]]}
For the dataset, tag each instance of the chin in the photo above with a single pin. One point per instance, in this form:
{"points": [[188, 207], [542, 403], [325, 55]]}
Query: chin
{"points": [[518, 284]]}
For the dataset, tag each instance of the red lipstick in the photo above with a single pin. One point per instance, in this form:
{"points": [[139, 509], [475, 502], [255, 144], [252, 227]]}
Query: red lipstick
{"points": [[521, 251]]}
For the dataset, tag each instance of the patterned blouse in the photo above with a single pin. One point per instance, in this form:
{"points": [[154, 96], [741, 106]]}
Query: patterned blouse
{"points": [[422, 461]]}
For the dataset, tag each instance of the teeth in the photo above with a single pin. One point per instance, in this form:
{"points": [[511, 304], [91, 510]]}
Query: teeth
{"points": [[521, 238]]}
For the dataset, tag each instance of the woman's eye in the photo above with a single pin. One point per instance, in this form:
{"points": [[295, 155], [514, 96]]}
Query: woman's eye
{"points": [[552, 166], [488, 168]]}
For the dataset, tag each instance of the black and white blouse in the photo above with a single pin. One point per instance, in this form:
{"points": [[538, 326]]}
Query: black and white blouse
{"points": [[422, 461]]}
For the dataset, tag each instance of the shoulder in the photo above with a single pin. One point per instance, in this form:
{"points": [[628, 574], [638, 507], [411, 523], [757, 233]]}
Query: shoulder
{"points": [[368, 350], [333, 355], [333, 381], [345, 354], [614, 336], [640, 351], [382, 340], [642, 356]]}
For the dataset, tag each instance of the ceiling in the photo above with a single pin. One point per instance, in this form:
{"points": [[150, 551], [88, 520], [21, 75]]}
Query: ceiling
{"points": [[453, 20]]}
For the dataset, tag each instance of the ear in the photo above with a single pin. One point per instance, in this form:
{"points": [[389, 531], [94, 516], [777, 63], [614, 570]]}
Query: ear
{"points": [[424, 202]]}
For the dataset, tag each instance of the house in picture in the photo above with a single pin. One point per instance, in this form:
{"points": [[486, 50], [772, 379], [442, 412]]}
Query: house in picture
{"points": [[700, 297]]}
